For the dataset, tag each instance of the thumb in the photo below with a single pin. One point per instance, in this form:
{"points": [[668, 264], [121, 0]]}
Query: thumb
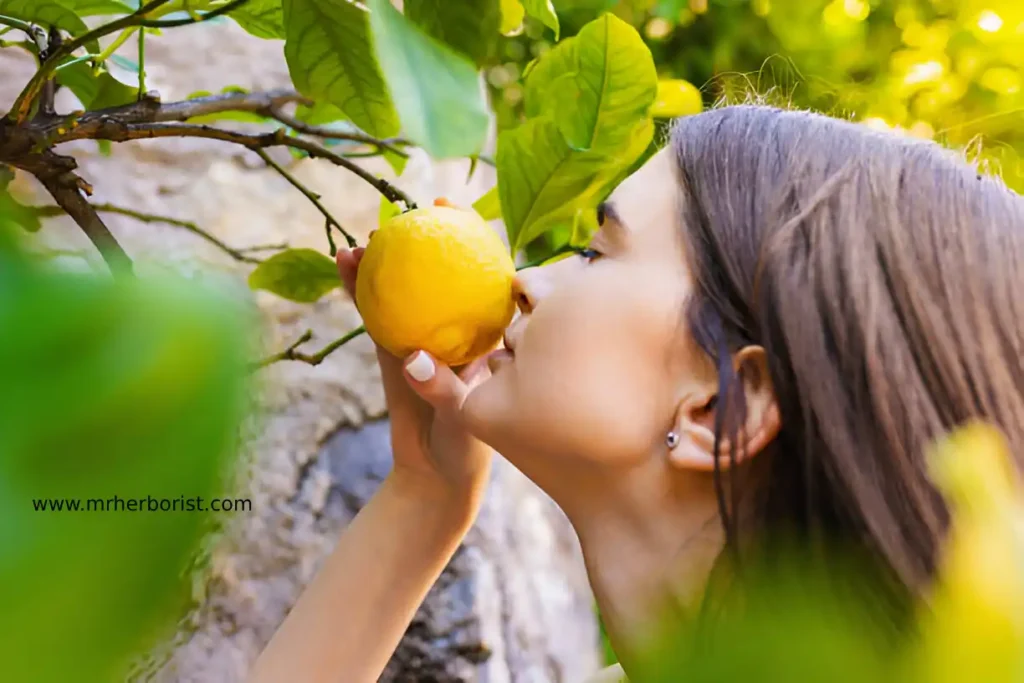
{"points": [[436, 383]]}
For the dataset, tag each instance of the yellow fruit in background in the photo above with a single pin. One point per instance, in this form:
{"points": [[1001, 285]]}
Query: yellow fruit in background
{"points": [[676, 97], [437, 279]]}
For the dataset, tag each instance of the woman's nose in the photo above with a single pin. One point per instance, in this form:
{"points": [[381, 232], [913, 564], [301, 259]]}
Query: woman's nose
{"points": [[524, 289]]}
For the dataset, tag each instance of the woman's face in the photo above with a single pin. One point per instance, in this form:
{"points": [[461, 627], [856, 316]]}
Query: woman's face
{"points": [[600, 355]]}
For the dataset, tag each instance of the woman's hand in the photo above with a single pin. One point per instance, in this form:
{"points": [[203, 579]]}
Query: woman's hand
{"points": [[431, 447]]}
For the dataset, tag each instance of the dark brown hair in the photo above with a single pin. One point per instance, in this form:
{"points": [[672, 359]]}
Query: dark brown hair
{"points": [[883, 275]]}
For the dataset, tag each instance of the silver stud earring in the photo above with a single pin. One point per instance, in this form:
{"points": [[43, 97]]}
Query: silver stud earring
{"points": [[671, 440]]}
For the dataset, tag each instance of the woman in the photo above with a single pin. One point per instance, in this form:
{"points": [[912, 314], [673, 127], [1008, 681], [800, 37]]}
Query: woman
{"points": [[780, 312]]}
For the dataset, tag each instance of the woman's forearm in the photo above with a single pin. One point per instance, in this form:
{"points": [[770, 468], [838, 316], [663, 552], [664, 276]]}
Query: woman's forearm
{"points": [[350, 618]]}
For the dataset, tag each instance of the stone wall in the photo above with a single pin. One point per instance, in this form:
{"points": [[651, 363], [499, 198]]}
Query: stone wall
{"points": [[514, 603]]}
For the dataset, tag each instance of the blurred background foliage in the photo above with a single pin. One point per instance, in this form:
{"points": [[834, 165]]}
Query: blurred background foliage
{"points": [[948, 70]]}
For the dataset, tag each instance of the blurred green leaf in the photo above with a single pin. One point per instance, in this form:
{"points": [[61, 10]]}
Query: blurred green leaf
{"points": [[261, 18], [544, 11], [467, 26], [302, 275], [438, 92], [330, 57], [396, 161], [388, 210], [48, 13], [489, 205], [125, 63], [512, 14], [131, 390]]}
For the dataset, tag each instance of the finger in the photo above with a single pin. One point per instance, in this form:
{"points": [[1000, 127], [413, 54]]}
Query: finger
{"points": [[436, 384], [348, 267]]}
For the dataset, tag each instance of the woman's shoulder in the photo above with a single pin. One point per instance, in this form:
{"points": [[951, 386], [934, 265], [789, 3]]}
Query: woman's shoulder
{"points": [[613, 674]]}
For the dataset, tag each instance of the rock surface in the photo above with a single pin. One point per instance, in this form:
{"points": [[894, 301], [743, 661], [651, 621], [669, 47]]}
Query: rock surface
{"points": [[513, 605]]}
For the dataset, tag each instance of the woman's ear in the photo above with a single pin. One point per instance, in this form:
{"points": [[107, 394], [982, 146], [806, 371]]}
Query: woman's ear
{"points": [[695, 422]]}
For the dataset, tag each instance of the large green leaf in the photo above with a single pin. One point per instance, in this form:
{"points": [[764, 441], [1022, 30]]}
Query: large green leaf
{"points": [[261, 18], [95, 91], [544, 11], [592, 83], [48, 13], [90, 8], [112, 392], [469, 26], [438, 92], [489, 204], [330, 58], [302, 275], [588, 100]]}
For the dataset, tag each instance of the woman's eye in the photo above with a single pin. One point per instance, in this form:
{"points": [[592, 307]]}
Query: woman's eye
{"points": [[589, 254]]}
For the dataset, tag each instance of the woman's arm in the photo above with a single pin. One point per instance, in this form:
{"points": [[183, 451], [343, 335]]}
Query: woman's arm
{"points": [[349, 620]]}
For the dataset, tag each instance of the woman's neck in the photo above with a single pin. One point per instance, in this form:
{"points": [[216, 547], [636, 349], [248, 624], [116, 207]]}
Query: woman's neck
{"points": [[649, 539]]}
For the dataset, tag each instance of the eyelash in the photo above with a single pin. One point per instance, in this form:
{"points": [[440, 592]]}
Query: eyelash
{"points": [[589, 254]]}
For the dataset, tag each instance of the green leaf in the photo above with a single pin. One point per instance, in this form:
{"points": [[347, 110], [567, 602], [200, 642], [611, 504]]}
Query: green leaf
{"points": [[122, 389], [96, 91], [512, 14], [541, 180], [388, 210], [25, 217], [106, 147], [261, 18], [48, 13], [302, 275], [589, 99], [437, 92], [330, 58], [468, 26], [91, 8], [397, 162], [489, 205], [319, 114], [594, 82], [544, 11]]}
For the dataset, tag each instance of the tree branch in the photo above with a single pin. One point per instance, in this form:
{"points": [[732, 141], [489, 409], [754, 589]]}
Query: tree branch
{"points": [[315, 359], [171, 23], [328, 134], [313, 197], [66, 191], [237, 254], [116, 131]]}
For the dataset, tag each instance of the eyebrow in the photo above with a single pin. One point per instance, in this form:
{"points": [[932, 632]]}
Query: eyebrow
{"points": [[613, 220]]}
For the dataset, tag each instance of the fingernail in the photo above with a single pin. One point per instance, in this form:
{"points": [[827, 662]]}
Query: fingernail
{"points": [[421, 368]]}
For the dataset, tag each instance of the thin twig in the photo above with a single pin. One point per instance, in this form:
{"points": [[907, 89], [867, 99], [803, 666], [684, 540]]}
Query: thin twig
{"points": [[300, 126], [66, 191], [23, 26], [313, 197], [120, 132], [172, 23], [237, 254], [264, 247], [315, 359]]}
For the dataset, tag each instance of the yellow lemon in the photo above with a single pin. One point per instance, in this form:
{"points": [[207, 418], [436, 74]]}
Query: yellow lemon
{"points": [[437, 279], [676, 97]]}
